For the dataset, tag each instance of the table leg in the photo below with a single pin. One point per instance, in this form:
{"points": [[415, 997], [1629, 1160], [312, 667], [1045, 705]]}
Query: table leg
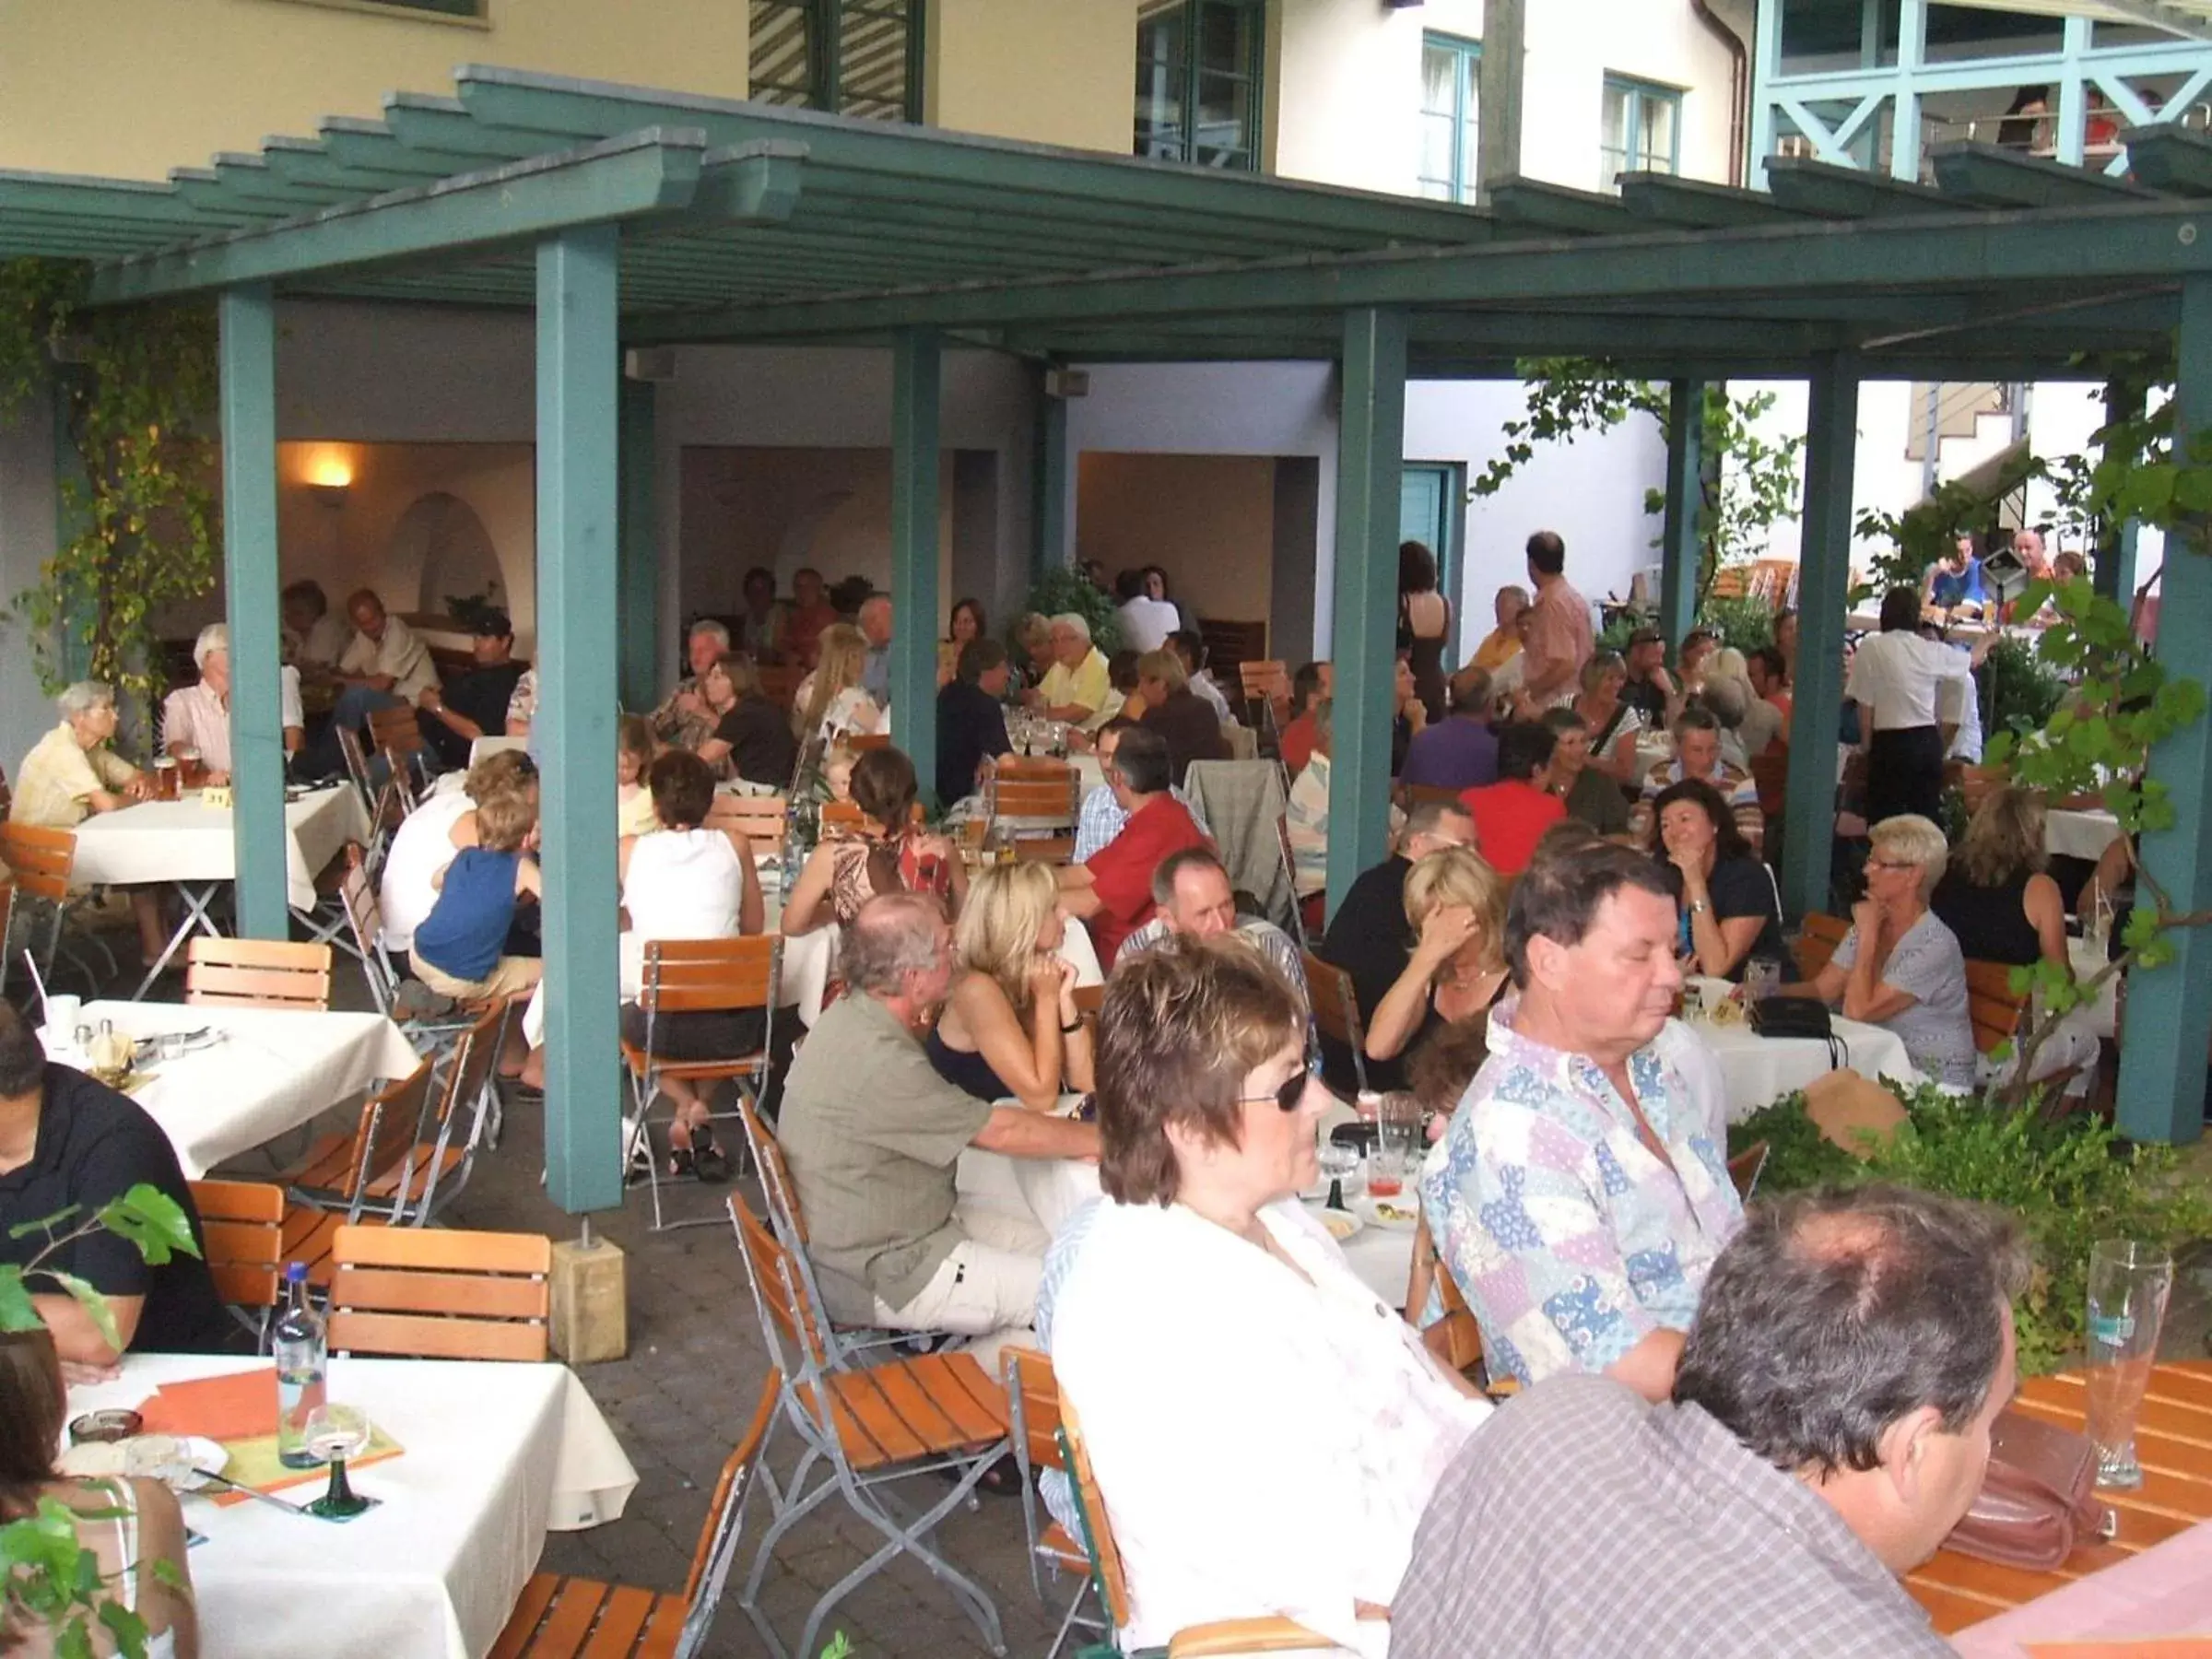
{"points": [[195, 913]]}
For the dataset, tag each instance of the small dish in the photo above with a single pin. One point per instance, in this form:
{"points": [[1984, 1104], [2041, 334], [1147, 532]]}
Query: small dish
{"points": [[1399, 1213], [1342, 1224]]}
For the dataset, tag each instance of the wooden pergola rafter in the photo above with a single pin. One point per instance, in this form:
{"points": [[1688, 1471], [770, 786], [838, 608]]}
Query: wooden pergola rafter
{"points": [[636, 217]]}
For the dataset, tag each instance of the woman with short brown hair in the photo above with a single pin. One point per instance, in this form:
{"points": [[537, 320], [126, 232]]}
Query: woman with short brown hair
{"points": [[1265, 1432]]}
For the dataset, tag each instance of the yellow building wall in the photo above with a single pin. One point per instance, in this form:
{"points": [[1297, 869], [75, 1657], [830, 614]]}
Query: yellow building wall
{"points": [[130, 89], [1049, 71]]}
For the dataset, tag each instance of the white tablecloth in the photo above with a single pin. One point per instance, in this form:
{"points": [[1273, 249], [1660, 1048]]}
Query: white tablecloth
{"points": [[2083, 835], [495, 1456], [1761, 1070], [276, 1070], [2099, 1018], [183, 840]]}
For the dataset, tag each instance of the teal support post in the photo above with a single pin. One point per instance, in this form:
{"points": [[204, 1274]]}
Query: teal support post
{"points": [[917, 368], [1049, 549], [247, 318], [1766, 63], [641, 655], [1371, 449], [2170, 1008], [2073, 92], [1683, 539], [2114, 568], [577, 362], [1904, 104], [1823, 579]]}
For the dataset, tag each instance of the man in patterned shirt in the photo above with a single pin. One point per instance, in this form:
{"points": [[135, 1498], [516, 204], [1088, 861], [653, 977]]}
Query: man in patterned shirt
{"points": [[1582, 1190], [1192, 891], [1698, 755], [1829, 1426], [1101, 815]]}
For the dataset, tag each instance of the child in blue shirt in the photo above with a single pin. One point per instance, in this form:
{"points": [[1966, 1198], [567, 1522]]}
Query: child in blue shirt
{"points": [[457, 950]]}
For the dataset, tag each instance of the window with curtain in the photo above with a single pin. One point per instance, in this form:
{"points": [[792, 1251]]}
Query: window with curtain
{"points": [[1641, 130], [848, 57], [1449, 67], [1199, 70]]}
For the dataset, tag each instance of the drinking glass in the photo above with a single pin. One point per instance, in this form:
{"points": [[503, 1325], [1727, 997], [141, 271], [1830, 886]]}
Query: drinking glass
{"points": [[1761, 979], [1338, 1164], [334, 1433], [2128, 1287], [1398, 1118]]}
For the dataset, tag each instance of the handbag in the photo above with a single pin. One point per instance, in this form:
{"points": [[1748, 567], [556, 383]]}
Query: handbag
{"points": [[1791, 1016], [2038, 1498]]}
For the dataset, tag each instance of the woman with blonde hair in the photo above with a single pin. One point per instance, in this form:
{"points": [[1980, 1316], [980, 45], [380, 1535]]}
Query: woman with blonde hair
{"points": [[1456, 905], [634, 749], [1011, 1028], [1994, 895], [831, 702]]}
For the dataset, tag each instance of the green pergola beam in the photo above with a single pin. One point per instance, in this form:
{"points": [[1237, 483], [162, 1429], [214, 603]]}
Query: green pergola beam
{"points": [[1827, 191], [1823, 580], [247, 345], [442, 124], [157, 210], [2006, 177], [251, 180], [2170, 156], [917, 373], [204, 189], [579, 601], [353, 142], [1553, 209], [644, 173], [1665, 199], [1370, 446], [2161, 1095], [2135, 243]]}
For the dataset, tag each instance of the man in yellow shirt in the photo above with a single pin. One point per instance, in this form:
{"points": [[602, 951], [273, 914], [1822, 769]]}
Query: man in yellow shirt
{"points": [[1502, 644], [1075, 688]]}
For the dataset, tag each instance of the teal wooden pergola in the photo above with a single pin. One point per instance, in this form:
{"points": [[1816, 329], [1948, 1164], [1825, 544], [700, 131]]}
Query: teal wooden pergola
{"points": [[636, 217]]}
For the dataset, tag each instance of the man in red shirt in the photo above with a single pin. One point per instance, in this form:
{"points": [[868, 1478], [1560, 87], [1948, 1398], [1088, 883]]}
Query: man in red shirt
{"points": [[1511, 814], [1298, 733], [1114, 891], [810, 613]]}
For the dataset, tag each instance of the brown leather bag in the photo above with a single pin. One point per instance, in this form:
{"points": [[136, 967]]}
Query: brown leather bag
{"points": [[2038, 1500]]}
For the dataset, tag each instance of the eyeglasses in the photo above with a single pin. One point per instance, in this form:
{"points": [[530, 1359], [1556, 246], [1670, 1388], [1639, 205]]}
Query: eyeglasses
{"points": [[1890, 864], [1291, 1093]]}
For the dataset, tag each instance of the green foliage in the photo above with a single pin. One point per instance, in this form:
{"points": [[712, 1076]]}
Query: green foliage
{"points": [[1060, 589], [148, 508], [2070, 1183], [1929, 531], [1747, 622], [1748, 483], [46, 1577], [840, 1647], [2019, 690]]}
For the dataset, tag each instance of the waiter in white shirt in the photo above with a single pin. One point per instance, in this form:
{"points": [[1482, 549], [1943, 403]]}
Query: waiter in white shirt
{"points": [[1894, 679]]}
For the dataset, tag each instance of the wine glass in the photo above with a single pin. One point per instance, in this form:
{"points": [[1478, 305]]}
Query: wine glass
{"points": [[334, 1433]]}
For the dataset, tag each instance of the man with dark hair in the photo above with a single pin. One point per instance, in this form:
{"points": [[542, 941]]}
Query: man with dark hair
{"points": [[1368, 937], [1307, 688], [1114, 891], [1191, 647], [1513, 812], [759, 624], [1560, 638], [1770, 675], [1101, 815], [1651, 689], [1698, 755], [1582, 1191], [69, 1141], [972, 720], [453, 717], [1897, 678], [318, 637], [1829, 1424], [1194, 900], [874, 1137], [1461, 750]]}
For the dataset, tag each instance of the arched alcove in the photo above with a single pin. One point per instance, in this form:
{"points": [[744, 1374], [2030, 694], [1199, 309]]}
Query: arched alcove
{"points": [[441, 536]]}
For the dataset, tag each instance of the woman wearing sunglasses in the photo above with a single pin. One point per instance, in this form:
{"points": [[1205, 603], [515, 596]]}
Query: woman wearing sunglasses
{"points": [[1265, 1432]]}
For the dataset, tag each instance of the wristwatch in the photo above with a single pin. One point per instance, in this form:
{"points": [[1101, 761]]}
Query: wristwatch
{"points": [[1698, 907]]}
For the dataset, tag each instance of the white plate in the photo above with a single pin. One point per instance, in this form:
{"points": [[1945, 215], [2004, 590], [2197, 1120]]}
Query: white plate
{"points": [[1403, 1211], [169, 1459], [1343, 1225]]}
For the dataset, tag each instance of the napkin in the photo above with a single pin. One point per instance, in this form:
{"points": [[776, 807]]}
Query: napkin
{"points": [[239, 1405]]}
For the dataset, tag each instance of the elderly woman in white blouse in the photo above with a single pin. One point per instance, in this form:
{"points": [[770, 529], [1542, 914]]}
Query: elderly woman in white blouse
{"points": [[1265, 1432]]}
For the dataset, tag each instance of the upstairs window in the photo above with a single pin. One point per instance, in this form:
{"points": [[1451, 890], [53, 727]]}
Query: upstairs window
{"points": [[1449, 93], [1641, 130], [847, 57], [1199, 69]]}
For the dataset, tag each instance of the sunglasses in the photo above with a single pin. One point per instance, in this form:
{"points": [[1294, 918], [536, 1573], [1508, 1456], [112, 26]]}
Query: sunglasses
{"points": [[1291, 1093]]}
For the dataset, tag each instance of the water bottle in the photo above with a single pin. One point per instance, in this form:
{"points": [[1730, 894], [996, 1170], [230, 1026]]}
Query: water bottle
{"points": [[302, 1354]]}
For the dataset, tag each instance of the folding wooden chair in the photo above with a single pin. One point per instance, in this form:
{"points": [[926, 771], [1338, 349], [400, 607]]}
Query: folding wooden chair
{"points": [[863, 1431], [1228, 1636], [339, 1170], [1045, 850], [397, 735], [256, 973], [1998, 1009], [844, 1344], [434, 1171], [558, 1617], [1745, 1168], [40, 860], [1335, 1008], [1032, 803], [761, 819], [1298, 927], [693, 976], [365, 918], [242, 1236], [860, 743], [433, 1294], [1033, 1397], [1819, 936], [842, 817], [356, 768]]}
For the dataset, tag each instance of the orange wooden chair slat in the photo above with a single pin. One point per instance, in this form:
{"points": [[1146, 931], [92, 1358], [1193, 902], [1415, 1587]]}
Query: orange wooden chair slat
{"points": [[241, 1234], [685, 976], [441, 1294], [1045, 849], [39, 858], [759, 818], [563, 1617], [1335, 1008], [257, 973], [1994, 1007], [346, 1166], [398, 729], [1818, 940]]}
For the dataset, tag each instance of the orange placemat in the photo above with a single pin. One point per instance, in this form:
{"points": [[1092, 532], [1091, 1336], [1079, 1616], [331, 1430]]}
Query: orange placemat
{"points": [[237, 1407], [254, 1462]]}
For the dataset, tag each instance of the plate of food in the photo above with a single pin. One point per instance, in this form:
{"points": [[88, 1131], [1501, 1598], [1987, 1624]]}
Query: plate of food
{"points": [[174, 1460], [1397, 1213], [1342, 1224]]}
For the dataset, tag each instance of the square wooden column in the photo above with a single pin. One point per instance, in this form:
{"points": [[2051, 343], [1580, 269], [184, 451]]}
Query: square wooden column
{"points": [[916, 371]]}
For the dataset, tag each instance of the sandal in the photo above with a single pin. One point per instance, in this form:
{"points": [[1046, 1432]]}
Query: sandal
{"points": [[708, 1161], [679, 1162]]}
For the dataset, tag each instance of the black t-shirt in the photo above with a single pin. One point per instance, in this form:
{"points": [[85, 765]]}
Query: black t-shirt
{"points": [[762, 747], [1646, 699], [481, 695], [95, 1145], [1369, 938], [1741, 886], [971, 724]]}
